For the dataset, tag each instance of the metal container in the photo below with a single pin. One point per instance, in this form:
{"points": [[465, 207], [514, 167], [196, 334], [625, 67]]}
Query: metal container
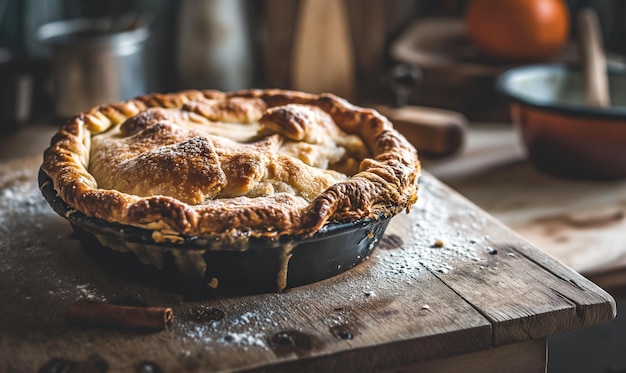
{"points": [[96, 61], [564, 135]]}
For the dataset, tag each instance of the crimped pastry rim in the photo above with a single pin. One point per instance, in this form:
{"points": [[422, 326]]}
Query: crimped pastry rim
{"points": [[139, 235], [394, 167]]}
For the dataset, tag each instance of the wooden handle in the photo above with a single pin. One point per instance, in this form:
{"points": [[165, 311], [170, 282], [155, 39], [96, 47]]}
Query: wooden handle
{"points": [[593, 59], [435, 133]]}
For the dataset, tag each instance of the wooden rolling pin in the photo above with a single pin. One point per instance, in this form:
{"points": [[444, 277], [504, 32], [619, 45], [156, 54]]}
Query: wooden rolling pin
{"points": [[435, 133]]}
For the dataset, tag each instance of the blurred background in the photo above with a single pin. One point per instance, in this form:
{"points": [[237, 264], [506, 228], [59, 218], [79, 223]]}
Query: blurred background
{"points": [[239, 44], [434, 67]]}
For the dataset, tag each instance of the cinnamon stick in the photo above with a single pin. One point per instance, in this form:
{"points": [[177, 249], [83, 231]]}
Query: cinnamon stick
{"points": [[98, 313]]}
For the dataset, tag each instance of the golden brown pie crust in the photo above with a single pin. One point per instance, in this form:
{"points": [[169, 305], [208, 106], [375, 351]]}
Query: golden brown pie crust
{"points": [[311, 159]]}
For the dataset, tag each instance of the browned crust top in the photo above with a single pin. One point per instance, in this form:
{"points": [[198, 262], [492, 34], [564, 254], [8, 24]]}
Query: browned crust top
{"points": [[385, 184]]}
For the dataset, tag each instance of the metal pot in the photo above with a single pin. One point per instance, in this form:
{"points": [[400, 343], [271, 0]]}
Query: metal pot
{"points": [[563, 134], [96, 61]]}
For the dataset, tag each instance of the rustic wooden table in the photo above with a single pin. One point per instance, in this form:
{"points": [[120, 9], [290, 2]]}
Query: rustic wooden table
{"points": [[484, 301]]}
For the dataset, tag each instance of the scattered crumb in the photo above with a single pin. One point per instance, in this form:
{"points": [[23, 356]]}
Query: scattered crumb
{"points": [[426, 307], [439, 243]]}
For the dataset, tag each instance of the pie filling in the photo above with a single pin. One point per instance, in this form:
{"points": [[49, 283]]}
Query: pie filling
{"points": [[194, 159]]}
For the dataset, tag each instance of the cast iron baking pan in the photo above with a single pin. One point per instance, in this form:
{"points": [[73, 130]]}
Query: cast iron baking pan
{"points": [[254, 268]]}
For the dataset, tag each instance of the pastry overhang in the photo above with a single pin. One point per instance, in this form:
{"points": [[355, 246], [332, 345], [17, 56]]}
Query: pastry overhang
{"points": [[255, 162]]}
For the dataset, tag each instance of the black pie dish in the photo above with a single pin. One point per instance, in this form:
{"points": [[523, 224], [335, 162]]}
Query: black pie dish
{"points": [[206, 265]]}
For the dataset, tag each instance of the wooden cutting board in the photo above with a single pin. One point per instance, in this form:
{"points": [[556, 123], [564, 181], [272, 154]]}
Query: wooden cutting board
{"points": [[323, 58], [455, 74], [446, 279]]}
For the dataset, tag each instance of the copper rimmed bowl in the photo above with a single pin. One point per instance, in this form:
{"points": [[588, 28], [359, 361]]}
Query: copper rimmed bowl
{"points": [[203, 264], [562, 134]]}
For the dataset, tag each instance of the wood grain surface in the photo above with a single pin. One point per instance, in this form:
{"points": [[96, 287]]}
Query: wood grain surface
{"points": [[445, 280], [582, 223]]}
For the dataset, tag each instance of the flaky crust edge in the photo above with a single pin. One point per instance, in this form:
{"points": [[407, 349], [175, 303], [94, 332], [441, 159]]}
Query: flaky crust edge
{"points": [[385, 185]]}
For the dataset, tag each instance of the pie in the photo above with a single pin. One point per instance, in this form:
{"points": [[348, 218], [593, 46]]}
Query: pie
{"points": [[252, 163]]}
